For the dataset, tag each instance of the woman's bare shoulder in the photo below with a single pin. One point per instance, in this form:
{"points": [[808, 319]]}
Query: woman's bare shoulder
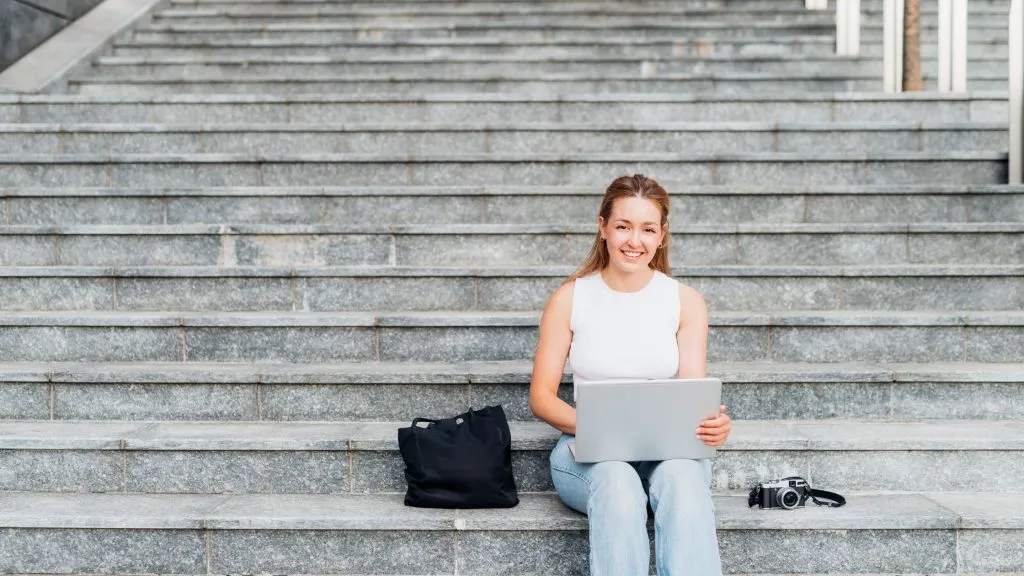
{"points": [[690, 300]]}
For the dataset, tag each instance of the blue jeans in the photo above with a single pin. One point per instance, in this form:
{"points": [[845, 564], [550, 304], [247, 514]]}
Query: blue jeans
{"points": [[613, 497]]}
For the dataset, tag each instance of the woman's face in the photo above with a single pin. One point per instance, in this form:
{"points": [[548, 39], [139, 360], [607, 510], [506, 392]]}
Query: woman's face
{"points": [[633, 232]]}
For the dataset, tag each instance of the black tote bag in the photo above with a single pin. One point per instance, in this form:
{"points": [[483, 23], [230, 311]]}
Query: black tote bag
{"points": [[460, 462]]}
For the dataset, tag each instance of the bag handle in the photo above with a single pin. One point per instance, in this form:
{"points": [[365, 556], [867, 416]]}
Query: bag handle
{"points": [[416, 421]]}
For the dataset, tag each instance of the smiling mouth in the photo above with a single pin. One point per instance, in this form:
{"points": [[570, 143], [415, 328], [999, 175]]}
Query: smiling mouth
{"points": [[632, 254]]}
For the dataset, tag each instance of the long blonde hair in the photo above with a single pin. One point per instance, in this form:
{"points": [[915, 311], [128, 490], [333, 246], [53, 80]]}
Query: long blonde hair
{"points": [[638, 186]]}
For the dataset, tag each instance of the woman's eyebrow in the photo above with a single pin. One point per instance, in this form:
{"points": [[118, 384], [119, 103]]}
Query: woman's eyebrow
{"points": [[628, 222]]}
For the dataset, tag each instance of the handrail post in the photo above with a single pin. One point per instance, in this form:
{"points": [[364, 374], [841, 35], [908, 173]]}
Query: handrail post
{"points": [[1017, 92], [892, 39], [952, 45], [848, 27]]}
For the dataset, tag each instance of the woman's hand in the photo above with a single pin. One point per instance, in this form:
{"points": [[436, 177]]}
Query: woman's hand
{"points": [[714, 431]]}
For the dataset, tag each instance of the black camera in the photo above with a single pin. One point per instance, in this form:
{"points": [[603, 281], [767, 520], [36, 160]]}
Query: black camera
{"points": [[788, 493]]}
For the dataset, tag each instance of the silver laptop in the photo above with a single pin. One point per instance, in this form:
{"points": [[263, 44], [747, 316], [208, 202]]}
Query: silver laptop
{"points": [[636, 420]]}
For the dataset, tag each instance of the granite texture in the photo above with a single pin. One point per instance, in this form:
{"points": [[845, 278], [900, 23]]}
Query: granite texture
{"points": [[237, 472], [381, 402], [29, 294], [331, 552], [991, 550], [61, 471], [63, 551], [285, 344], [27, 401], [96, 344], [155, 402]]}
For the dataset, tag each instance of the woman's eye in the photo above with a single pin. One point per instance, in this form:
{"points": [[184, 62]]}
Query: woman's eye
{"points": [[620, 227], [651, 230]]}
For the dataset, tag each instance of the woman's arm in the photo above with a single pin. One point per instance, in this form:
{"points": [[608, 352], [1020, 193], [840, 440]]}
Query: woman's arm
{"points": [[549, 362], [693, 358]]}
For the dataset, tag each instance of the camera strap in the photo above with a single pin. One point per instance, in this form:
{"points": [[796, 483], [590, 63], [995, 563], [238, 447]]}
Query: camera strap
{"points": [[830, 499]]}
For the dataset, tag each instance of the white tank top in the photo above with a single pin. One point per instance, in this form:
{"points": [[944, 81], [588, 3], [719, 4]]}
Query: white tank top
{"points": [[624, 334]]}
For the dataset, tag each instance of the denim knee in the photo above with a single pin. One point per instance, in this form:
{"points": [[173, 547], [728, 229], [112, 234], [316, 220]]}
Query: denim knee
{"points": [[616, 489], [685, 482]]}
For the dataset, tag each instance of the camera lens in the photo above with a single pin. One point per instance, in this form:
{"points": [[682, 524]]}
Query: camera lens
{"points": [[787, 498]]}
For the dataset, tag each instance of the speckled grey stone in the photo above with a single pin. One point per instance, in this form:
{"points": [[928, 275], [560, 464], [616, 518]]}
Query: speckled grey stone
{"points": [[25, 250], [66, 551], [140, 250], [69, 211], [388, 294], [24, 401], [481, 250], [311, 250], [695, 209], [988, 110], [379, 402], [991, 550], [997, 208], [335, 173], [849, 141], [805, 401], [995, 344], [993, 401], [514, 398], [56, 294], [884, 551], [888, 208], [185, 174], [401, 209], [853, 110], [966, 248], [739, 344], [910, 293], [507, 553], [996, 471], [515, 293], [984, 510], [875, 344], [285, 344], [155, 402], [94, 344], [61, 470], [236, 471], [964, 140], [821, 249], [331, 552], [445, 345], [769, 293], [244, 209], [206, 294]]}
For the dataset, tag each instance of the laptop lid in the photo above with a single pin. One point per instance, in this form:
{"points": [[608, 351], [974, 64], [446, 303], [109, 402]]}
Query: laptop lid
{"points": [[639, 420]]}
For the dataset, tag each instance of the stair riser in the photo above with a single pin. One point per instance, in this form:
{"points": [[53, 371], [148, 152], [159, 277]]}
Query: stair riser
{"points": [[322, 472], [506, 142], [403, 402], [507, 250], [565, 553], [454, 294], [666, 50], [303, 111], [598, 172], [486, 343], [404, 210], [861, 69], [725, 87], [734, 17], [515, 5], [871, 33]]}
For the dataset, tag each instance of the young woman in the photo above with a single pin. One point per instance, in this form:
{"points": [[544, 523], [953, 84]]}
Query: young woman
{"points": [[622, 315]]}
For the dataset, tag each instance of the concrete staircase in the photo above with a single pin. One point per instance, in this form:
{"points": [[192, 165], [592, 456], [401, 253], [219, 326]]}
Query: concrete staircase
{"points": [[261, 235]]}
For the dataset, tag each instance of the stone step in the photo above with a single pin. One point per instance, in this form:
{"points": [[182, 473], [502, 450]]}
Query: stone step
{"points": [[508, 108], [513, 5], [671, 11], [443, 47], [388, 391], [363, 457], [174, 67], [650, 28], [371, 288], [303, 337], [550, 85], [494, 14], [767, 168], [477, 245], [229, 534], [342, 31], [387, 206], [555, 138]]}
